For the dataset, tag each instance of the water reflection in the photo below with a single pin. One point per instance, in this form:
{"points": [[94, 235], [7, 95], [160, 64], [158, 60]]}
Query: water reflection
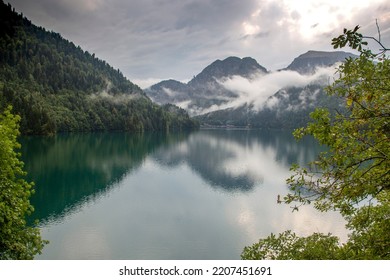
{"points": [[237, 161], [203, 195], [71, 170]]}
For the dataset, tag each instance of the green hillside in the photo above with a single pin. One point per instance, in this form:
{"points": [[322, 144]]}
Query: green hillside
{"points": [[55, 86]]}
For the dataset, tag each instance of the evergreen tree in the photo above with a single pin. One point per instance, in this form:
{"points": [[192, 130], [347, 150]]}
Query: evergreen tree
{"points": [[57, 87]]}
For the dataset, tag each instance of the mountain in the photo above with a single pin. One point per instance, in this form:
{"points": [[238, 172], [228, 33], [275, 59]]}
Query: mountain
{"points": [[205, 90], [287, 108], [308, 62], [301, 90], [240, 92], [57, 87], [169, 91], [231, 66]]}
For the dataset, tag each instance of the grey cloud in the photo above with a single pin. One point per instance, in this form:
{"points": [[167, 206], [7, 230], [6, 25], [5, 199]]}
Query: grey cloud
{"points": [[262, 34], [314, 25], [213, 14], [178, 38], [58, 9]]}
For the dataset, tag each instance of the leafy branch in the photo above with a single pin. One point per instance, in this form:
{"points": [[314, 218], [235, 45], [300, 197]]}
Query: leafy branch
{"points": [[355, 41]]}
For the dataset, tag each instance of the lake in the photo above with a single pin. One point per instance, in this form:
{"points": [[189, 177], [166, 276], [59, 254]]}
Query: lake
{"points": [[202, 195]]}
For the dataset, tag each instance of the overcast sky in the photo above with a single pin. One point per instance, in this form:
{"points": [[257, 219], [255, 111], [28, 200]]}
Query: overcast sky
{"points": [[152, 40]]}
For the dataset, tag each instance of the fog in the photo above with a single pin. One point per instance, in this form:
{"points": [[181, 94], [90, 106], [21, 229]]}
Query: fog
{"points": [[257, 90]]}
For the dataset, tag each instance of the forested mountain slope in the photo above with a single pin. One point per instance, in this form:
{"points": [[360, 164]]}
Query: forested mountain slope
{"points": [[57, 87]]}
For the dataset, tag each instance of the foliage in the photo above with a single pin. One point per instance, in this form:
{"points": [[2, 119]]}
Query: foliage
{"points": [[57, 87], [353, 175], [370, 227], [17, 240], [368, 239], [350, 37], [289, 246]]}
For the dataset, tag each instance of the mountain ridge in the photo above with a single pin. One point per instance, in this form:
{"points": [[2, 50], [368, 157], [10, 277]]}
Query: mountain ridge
{"points": [[205, 89], [290, 106], [306, 63], [57, 87], [208, 92], [228, 67]]}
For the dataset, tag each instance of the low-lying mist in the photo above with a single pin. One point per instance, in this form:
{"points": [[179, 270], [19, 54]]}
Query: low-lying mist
{"points": [[117, 98], [259, 90]]}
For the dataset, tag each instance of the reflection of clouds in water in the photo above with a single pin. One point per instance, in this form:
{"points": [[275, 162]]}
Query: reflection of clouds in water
{"points": [[247, 220], [168, 207], [255, 161], [79, 240], [308, 220], [258, 215], [91, 243], [237, 160], [206, 155]]}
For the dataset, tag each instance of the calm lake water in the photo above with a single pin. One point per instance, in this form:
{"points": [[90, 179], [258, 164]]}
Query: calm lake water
{"points": [[201, 195]]}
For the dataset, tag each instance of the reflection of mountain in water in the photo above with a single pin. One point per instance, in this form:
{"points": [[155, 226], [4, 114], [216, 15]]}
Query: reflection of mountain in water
{"points": [[205, 155], [226, 159], [69, 170]]}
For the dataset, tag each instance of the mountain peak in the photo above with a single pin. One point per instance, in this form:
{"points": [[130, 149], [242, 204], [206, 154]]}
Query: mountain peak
{"points": [[309, 61], [228, 67], [317, 54]]}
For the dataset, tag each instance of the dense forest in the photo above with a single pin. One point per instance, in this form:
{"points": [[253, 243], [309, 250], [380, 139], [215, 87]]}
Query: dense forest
{"points": [[55, 86]]}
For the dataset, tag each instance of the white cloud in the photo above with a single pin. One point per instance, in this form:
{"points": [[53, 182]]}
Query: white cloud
{"points": [[316, 17], [257, 90], [250, 29], [169, 92], [184, 104], [145, 83]]}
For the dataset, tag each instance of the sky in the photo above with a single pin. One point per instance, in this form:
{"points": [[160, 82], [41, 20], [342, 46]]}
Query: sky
{"points": [[153, 40]]}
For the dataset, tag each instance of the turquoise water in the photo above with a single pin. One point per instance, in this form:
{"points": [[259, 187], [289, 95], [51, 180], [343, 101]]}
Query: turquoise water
{"points": [[200, 195]]}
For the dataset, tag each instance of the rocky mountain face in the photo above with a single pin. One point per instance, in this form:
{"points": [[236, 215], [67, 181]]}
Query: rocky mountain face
{"points": [[231, 66], [308, 62], [205, 90], [240, 92]]}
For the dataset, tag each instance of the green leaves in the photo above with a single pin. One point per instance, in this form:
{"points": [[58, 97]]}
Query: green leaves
{"points": [[352, 176], [357, 162], [288, 246], [350, 37], [17, 241]]}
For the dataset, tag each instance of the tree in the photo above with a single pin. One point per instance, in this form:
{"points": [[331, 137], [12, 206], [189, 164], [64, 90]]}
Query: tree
{"points": [[353, 175], [53, 85], [17, 240]]}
